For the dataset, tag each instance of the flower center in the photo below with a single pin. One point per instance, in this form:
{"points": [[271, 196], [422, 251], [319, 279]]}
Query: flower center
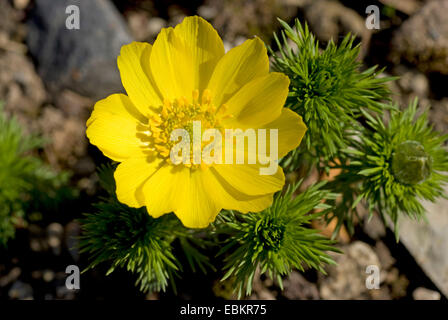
{"points": [[181, 114]]}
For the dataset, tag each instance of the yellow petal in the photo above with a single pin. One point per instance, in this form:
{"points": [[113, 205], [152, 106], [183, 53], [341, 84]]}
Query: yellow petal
{"points": [[258, 102], [119, 105], [130, 176], [238, 67], [163, 190], [113, 128], [205, 45], [171, 73], [180, 190], [137, 77], [230, 198], [195, 196], [291, 130], [196, 207], [247, 179], [184, 58]]}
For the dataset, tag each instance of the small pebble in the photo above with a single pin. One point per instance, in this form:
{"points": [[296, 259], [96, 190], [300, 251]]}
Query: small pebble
{"points": [[48, 275], [425, 294], [20, 290]]}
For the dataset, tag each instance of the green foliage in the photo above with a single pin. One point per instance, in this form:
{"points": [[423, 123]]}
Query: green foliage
{"points": [[327, 89], [26, 184], [389, 167], [131, 239], [392, 166], [277, 239]]}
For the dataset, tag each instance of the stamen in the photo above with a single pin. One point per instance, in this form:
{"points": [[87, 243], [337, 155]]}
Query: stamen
{"points": [[206, 96], [180, 114], [195, 96], [164, 111], [167, 104]]}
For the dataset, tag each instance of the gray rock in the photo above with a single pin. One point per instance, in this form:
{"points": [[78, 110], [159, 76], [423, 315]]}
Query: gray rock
{"points": [[407, 6], [337, 285], [296, 287], [386, 259], [83, 60], [412, 81], [155, 24], [241, 18], [21, 89], [208, 12], [428, 242], [373, 226], [330, 20], [397, 282], [260, 290], [143, 26], [439, 115], [423, 39]]}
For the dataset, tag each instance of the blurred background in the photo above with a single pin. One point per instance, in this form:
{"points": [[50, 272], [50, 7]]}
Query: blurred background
{"points": [[50, 78]]}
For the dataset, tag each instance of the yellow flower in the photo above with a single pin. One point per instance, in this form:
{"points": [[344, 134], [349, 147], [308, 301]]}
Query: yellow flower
{"points": [[186, 76]]}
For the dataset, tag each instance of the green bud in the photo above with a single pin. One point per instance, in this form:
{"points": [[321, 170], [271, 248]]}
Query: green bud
{"points": [[410, 163]]}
